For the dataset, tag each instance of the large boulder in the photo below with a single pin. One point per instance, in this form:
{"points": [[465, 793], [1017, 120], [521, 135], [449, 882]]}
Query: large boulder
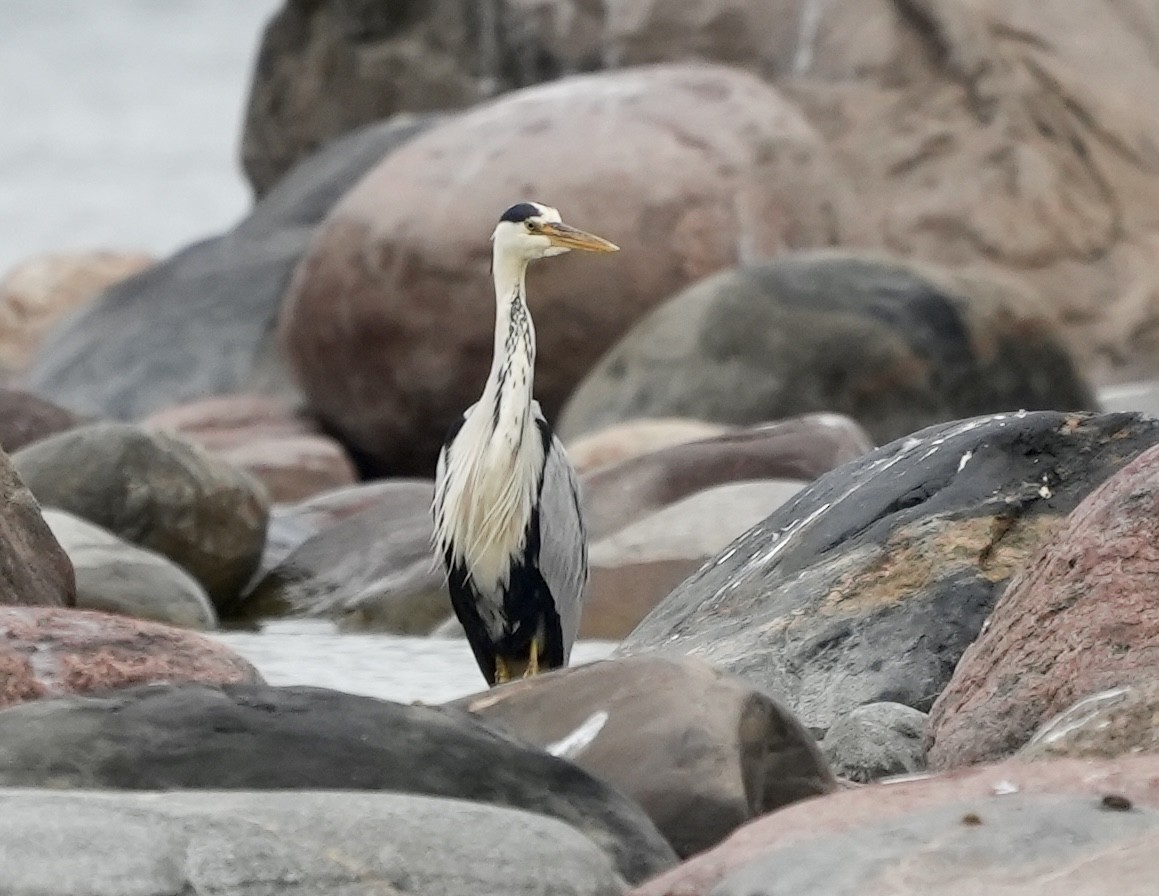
{"points": [[198, 323], [619, 442], [1018, 844], [327, 67], [871, 582], [702, 752], [311, 844], [1017, 137], [117, 577], [34, 568], [156, 491], [1083, 617], [1113, 786], [373, 569], [894, 345], [52, 652], [391, 351], [248, 737]]}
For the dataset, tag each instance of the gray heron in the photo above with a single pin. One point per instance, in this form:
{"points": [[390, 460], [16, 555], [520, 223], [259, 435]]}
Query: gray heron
{"points": [[507, 519]]}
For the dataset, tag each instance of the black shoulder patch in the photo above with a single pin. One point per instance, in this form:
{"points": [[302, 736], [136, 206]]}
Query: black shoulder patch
{"points": [[519, 212]]}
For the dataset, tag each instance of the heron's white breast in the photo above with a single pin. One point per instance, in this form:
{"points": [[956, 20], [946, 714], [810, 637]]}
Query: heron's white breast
{"points": [[488, 495]]}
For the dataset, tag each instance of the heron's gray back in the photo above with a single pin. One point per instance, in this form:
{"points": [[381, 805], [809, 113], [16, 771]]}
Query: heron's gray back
{"points": [[563, 548]]}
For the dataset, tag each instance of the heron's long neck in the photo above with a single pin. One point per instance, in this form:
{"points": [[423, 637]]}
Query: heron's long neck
{"points": [[507, 395]]}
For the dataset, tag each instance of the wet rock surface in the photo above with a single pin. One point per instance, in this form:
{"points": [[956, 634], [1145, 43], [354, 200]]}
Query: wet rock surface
{"points": [[872, 581], [252, 737], [1081, 618], [702, 752]]}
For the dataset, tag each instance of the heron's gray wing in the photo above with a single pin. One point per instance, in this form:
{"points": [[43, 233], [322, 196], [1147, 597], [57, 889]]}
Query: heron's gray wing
{"points": [[563, 547]]}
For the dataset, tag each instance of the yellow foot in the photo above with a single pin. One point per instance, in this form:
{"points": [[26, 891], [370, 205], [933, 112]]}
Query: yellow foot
{"points": [[533, 660], [502, 674]]}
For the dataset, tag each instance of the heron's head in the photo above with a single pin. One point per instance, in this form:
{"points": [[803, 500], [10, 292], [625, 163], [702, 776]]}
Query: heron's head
{"points": [[530, 230]]}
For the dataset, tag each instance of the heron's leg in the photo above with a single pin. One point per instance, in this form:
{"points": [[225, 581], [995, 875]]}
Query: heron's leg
{"points": [[502, 674], [533, 660]]}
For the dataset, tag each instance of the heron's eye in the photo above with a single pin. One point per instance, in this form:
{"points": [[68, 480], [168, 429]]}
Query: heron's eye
{"points": [[530, 226]]}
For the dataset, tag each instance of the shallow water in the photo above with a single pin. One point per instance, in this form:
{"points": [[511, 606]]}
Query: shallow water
{"points": [[310, 652]]}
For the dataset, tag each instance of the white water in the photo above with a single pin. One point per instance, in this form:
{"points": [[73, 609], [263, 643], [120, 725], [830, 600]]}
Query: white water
{"points": [[309, 652]]}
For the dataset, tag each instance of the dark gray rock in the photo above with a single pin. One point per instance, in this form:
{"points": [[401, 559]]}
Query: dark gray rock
{"points": [[877, 740], [1018, 843], [869, 584], [371, 570], [156, 491], [199, 323], [258, 738], [308, 844], [327, 67], [895, 346]]}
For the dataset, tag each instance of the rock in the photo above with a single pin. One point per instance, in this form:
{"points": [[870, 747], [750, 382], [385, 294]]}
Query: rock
{"points": [[281, 448], [623, 441], [198, 323], [981, 787], [418, 323], [34, 569], [1081, 618], [373, 569], [158, 492], [1008, 136], [870, 583], [798, 448], [222, 422], [328, 67], [1115, 722], [174, 737], [117, 577], [46, 652], [296, 467], [26, 418], [237, 844], [1018, 844], [700, 751], [291, 525], [41, 290], [632, 570], [876, 740], [894, 345]]}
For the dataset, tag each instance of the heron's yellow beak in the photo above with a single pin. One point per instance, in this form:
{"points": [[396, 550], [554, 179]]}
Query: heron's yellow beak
{"points": [[569, 237]]}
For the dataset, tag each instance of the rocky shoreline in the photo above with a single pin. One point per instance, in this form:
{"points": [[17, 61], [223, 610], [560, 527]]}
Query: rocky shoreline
{"points": [[870, 506]]}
